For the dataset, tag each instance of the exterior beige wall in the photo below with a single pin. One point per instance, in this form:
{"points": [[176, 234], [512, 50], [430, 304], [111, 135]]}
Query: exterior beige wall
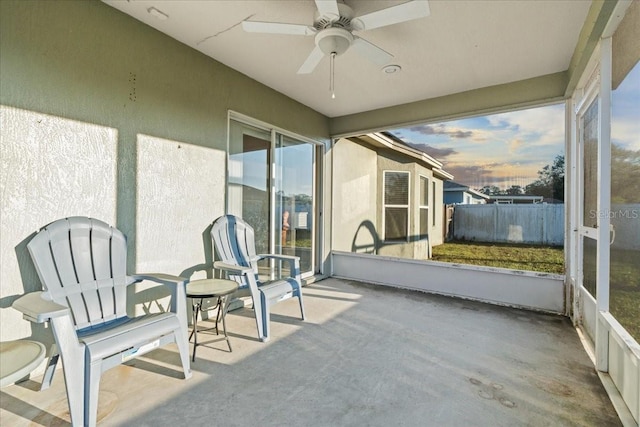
{"points": [[355, 191], [104, 116], [358, 201]]}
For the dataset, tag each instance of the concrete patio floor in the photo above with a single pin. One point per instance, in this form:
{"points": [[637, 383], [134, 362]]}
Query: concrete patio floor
{"points": [[366, 356]]}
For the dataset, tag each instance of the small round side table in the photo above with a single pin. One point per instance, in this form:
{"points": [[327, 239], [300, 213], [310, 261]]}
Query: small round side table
{"points": [[18, 358], [198, 291]]}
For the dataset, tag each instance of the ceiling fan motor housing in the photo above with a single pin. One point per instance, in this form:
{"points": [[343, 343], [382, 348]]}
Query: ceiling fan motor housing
{"points": [[331, 20]]}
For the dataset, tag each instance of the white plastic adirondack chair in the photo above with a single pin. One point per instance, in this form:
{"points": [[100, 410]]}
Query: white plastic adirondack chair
{"points": [[235, 246], [81, 263]]}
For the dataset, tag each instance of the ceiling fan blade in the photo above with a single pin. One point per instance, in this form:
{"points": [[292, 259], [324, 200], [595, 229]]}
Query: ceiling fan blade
{"points": [[328, 8], [312, 61], [277, 28], [393, 15], [370, 51]]}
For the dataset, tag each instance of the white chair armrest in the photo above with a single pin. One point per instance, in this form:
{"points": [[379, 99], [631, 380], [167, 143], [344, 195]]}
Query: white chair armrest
{"points": [[277, 256], [232, 269], [294, 263], [178, 287], [36, 309], [165, 279]]}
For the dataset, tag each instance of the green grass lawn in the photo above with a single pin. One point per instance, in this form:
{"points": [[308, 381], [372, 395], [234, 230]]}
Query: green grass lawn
{"points": [[506, 255], [624, 300]]}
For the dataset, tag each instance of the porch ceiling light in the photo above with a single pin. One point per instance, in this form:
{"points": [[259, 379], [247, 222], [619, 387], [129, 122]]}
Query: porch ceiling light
{"points": [[390, 69], [157, 13]]}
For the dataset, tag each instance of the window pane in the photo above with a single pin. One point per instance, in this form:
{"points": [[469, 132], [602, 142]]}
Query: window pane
{"points": [[424, 223], [396, 221], [434, 204], [590, 178], [424, 191], [396, 188]]}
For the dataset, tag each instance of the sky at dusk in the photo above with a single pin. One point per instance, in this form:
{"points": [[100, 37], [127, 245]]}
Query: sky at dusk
{"points": [[510, 148], [500, 149], [625, 112]]}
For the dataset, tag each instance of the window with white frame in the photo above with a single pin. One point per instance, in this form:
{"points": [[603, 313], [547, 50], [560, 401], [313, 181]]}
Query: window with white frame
{"points": [[433, 195], [424, 206], [396, 205]]}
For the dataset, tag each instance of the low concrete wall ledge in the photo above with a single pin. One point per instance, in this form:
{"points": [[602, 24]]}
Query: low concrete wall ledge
{"points": [[514, 288]]}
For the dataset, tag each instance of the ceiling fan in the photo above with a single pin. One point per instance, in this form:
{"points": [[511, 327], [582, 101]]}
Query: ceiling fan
{"points": [[334, 25]]}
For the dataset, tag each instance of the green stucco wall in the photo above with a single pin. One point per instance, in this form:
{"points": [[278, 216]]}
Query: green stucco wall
{"points": [[104, 116]]}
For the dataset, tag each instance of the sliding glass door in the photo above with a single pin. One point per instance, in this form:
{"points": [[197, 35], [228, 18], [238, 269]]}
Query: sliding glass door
{"points": [[249, 183], [294, 184], [272, 186]]}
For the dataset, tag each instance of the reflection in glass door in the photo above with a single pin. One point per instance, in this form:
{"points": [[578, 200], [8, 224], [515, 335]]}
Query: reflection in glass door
{"points": [[294, 161], [249, 182], [271, 185]]}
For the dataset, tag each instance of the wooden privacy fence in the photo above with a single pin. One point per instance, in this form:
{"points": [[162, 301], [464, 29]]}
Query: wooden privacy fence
{"points": [[541, 224]]}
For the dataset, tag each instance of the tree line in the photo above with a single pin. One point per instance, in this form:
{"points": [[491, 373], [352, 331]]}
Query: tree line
{"points": [[625, 179], [550, 184]]}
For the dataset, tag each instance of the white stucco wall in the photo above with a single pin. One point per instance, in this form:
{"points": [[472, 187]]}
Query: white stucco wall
{"points": [[51, 167]]}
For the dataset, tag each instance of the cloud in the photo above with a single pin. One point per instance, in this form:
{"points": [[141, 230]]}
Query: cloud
{"points": [[625, 132], [496, 173], [514, 144], [442, 129], [540, 126], [500, 149], [475, 176]]}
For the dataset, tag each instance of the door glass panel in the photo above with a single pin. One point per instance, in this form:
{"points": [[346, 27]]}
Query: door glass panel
{"points": [[589, 265], [590, 165], [294, 190], [248, 187], [624, 214]]}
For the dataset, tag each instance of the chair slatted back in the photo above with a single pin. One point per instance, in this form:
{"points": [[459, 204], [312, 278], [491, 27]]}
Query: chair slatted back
{"points": [[81, 263], [234, 241]]}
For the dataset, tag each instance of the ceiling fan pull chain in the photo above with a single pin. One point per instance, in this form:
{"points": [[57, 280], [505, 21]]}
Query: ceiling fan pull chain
{"points": [[332, 76]]}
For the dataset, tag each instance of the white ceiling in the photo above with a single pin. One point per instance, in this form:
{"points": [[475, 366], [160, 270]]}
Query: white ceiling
{"points": [[462, 45]]}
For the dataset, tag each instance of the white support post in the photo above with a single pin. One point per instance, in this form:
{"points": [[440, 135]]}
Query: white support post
{"points": [[604, 205], [571, 191]]}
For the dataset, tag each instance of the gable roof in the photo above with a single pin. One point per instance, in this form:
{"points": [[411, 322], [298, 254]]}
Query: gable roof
{"points": [[452, 186], [387, 141]]}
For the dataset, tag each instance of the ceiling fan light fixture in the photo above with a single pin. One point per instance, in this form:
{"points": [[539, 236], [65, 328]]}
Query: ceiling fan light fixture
{"points": [[334, 40]]}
